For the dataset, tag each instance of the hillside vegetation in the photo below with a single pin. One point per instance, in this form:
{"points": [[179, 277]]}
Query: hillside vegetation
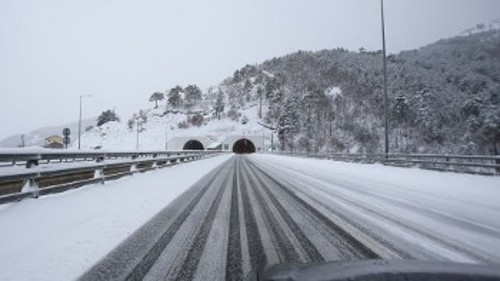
{"points": [[444, 98]]}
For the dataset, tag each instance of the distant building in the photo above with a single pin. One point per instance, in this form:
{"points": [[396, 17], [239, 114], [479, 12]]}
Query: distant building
{"points": [[54, 141], [215, 146]]}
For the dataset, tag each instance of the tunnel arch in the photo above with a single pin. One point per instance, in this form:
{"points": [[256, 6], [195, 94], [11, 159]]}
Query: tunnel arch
{"points": [[243, 146], [193, 145]]}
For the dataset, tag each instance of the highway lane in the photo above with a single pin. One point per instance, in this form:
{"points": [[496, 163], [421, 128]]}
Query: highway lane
{"points": [[250, 212]]}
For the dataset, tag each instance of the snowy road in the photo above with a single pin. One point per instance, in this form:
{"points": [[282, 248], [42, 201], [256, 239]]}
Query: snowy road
{"points": [[263, 209]]}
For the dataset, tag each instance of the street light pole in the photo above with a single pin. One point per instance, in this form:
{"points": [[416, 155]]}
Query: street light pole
{"points": [[137, 133], [166, 134], [80, 119], [386, 100]]}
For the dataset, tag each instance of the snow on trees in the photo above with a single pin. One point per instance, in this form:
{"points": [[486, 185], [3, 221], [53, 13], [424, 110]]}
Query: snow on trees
{"points": [[157, 96], [192, 96], [174, 97], [107, 116], [219, 104]]}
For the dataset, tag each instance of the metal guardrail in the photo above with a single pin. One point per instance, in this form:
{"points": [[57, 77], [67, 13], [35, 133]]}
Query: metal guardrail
{"points": [[476, 164], [34, 158], [24, 175]]}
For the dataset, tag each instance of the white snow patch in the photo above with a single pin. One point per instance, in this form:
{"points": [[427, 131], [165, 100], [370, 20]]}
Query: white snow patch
{"points": [[334, 92], [482, 27]]}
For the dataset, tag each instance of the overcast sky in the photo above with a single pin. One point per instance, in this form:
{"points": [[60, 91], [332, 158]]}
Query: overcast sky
{"points": [[120, 52]]}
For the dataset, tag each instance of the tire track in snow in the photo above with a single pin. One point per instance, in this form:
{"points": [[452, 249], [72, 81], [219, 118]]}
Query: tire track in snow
{"points": [[403, 203], [256, 249], [342, 216], [440, 240], [147, 262], [312, 253], [286, 251], [460, 248], [234, 270], [129, 261], [171, 260], [457, 248], [266, 222], [361, 250], [190, 264]]}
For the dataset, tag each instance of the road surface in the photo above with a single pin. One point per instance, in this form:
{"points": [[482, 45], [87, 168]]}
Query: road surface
{"points": [[253, 211]]}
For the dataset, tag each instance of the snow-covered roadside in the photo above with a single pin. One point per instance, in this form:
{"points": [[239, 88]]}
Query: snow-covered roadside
{"points": [[57, 237]]}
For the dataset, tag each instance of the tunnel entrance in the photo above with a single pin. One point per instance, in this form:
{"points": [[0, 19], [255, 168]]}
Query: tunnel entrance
{"points": [[243, 146], [193, 145]]}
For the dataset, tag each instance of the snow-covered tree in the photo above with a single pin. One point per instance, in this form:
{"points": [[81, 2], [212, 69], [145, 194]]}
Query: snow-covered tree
{"points": [[174, 97], [157, 96], [219, 104], [107, 116], [192, 96]]}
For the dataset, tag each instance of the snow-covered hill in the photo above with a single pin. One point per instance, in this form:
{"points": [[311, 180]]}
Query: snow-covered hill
{"points": [[37, 137], [161, 126], [483, 27]]}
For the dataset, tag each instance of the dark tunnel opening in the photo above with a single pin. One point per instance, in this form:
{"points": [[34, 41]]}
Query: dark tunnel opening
{"points": [[243, 146], [193, 145]]}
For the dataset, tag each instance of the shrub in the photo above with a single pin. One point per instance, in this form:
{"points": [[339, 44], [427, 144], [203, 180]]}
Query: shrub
{"points": [[233, 114], [182, 125], [196, 120]]}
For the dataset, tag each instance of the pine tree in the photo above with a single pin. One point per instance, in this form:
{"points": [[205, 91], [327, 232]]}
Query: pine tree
{"points": [[192, 96], [288, 122], [107, 116], [157, 96], [219, 104], [274, 96], [174, 96]]}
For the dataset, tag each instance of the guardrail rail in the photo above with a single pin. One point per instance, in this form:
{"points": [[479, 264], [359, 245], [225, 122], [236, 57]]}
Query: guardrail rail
{"points": [[28, 174], [475, 164]]}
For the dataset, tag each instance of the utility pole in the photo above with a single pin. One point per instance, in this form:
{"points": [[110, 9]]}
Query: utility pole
{"points": [[259, 91], [166, 137], [137, 133], [386, 100], [80, 119], [166, 133]]}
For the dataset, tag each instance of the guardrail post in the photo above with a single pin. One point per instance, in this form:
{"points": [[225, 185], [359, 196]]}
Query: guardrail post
{"points": [[99, 174], [30, 185], [133, 168]]}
